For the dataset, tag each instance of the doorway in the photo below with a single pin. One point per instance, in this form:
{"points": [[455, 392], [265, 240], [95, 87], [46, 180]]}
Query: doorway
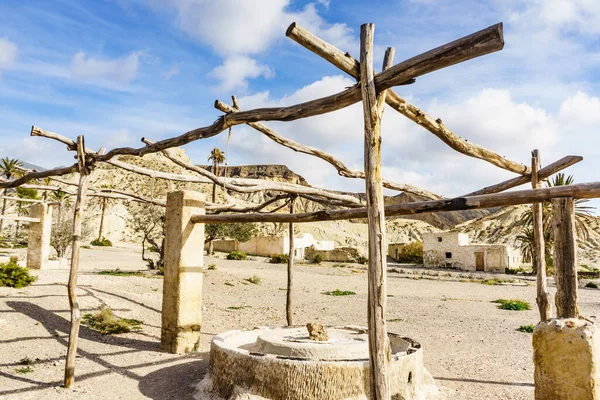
{"points": [[479, 261]]}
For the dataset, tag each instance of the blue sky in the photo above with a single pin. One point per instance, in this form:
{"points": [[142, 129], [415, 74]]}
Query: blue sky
{"points": [[118, 70]]}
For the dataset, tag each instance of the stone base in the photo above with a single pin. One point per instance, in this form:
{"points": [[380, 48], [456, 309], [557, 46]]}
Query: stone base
{"points": [[566, 356]]}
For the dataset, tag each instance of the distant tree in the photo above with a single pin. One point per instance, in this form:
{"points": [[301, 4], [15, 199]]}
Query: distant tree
{"points": [[241, 232], [22, 208], [216, 157], [63, 199], [526, 238], [104, 203], [149, 223], [62, 235], [10, 168]]}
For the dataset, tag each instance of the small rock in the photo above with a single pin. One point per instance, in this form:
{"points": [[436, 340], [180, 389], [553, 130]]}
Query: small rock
{"points": [[317, 332]]}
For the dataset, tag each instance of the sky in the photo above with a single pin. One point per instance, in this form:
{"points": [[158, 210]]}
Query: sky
{"points": [[119, 70]]}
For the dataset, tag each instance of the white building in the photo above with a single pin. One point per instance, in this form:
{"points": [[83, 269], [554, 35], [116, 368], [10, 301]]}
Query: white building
{"points": [[270, 245], [453, 250]]}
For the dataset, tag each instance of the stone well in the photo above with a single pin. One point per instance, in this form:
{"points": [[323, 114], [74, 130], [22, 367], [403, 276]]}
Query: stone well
{"points": [[284, 364]]}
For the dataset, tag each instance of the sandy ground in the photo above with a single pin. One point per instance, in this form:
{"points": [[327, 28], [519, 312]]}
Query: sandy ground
{"points": [[469, 344]]}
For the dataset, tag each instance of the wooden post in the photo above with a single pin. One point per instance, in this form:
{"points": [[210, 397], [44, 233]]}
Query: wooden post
{"points": [[288, 303], [84, 177], [379, 346], [539, 250], [565, 257]]}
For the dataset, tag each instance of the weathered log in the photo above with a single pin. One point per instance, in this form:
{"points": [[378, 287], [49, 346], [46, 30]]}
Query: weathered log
{"points": [[253, 185], [565, 257], [84, 177], [39, 175], [342, 169], [18, 218], [580, 191], [351, 66], [539, 250], [379, 345], [543, 173], [290, 267], [475, 45], [21, 200]]}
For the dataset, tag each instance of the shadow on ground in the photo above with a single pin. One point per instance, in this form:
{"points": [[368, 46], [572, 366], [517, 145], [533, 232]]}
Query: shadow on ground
{"points": [[175, 381]]}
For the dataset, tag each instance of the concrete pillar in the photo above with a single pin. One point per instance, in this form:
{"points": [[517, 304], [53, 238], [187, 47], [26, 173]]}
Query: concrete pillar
{"points": [[566, 355], [182, 284], [38, 244]]}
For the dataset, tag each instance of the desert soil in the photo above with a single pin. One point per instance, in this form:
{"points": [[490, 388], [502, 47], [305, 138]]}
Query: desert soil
{"points": [[470, 345]]}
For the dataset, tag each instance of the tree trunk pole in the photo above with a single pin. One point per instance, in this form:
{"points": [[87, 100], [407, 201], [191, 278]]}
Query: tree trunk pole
{"points": [[3, 212], [565, 257], [379, 346], [290, 265], [102, 219], [539, 245], [84, 177]]}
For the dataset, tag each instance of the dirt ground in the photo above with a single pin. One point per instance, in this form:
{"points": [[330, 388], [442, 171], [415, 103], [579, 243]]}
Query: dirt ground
{"points": [[470, 345]]}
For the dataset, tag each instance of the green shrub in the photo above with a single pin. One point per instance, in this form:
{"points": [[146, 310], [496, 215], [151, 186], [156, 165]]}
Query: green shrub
{"points": [[591, 285], [411, 253], [318, 259], [104, 242], [494, 281], [236, 255], [118, 272], [279, 259], [212, 267], [338, 292], [526, 328], [512, 305], [362, 260], [15, 276], [254, 279], [24, 370], [107, 322]]}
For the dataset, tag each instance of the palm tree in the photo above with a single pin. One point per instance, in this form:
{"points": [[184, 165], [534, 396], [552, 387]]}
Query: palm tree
{"points": [[526, 244], [62, 199], [9, 168], [104, 202], [216, 157], [582, 212]]}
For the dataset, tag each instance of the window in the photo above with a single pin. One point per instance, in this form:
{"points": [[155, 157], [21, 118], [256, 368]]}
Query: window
{"points": [[439, 239], [448, 255]]}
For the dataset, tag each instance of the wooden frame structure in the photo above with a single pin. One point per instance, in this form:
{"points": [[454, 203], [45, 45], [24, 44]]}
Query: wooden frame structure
{"points": [[374, 90]]}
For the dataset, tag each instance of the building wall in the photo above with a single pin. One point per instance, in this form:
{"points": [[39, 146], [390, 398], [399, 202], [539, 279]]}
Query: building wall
{"points": [[454, 251], [269, 245]]}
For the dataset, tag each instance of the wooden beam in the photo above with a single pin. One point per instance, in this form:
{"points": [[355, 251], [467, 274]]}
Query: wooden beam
{"points": [[543, 173], [254, 185], [39, 175], [351, 66], [580, 191], [290, 273], [565, 257], [84, 178], [18, 218], [21, 200], [539, 249], [342, 169], [468, 47], [379, 344]]}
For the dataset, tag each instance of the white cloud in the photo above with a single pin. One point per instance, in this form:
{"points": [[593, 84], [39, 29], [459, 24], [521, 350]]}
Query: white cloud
{"points": [[119, 70], [236, 70], [580, 109], [248, 27], [581, 15], [8, 53]]}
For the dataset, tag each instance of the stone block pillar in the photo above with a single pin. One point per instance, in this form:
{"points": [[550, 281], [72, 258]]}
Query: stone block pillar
{"points": [[38, 246], [182, 285], [566, 355]]}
